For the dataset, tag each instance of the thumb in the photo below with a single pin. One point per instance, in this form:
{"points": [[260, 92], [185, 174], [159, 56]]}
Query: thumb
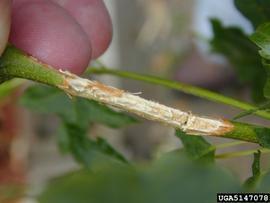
{"points": [[5, 6]]}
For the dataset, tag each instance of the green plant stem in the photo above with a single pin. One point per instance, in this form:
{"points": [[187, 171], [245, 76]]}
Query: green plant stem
{"points": [[229, 144], [16, 64], [188, 89], [241, 153]]}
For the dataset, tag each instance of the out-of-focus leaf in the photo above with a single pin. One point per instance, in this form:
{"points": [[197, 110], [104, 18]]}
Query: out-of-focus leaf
{"points": [[262, 38], [171, 179], [9, 86], [106, 148], [266, 89], [77, 115], [263, 135], [73, 139], [264, 185], [242, 54], [46, 99], [252, 182], [197, 147], [257, 11], [43, 99]]}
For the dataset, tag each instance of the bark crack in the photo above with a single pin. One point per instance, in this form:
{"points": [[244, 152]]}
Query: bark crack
{"points": [[186, 121]]}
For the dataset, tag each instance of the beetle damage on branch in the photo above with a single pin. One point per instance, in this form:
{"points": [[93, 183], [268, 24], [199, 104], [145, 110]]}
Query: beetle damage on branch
{"points": [[189, 123]]}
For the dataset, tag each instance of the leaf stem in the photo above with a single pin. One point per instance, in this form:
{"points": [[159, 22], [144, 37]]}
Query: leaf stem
{"points": [[229, 144], [241, 153], [186, 88]]}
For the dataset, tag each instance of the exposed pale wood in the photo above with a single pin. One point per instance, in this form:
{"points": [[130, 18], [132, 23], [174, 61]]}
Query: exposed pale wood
{"points": [[186, 121]]}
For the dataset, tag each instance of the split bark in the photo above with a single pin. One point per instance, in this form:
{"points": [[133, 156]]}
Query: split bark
{"points": [[186, 121]]}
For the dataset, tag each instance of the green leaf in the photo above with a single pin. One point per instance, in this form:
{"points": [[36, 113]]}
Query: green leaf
{"points": [[252, 182], [263, 136], [262, 38], [77, 115], [267, 85], [73, 139], [257, 11], [197, 147], [106, 148], [50, 100], [264, 184], [44, 99], [242, 54], [171, 179], [9, 86]]}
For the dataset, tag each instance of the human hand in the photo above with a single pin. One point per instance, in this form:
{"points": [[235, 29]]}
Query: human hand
{"points": [[64, 34], [4, 23]]}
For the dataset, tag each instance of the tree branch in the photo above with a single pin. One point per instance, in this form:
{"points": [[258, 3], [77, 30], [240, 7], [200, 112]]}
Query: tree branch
{"points": [[150, 110], [186, 88], [15, 63]]}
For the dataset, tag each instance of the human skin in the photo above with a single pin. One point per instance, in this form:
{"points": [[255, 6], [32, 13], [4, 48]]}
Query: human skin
{"points": [[65, 34], [4, 23]]}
